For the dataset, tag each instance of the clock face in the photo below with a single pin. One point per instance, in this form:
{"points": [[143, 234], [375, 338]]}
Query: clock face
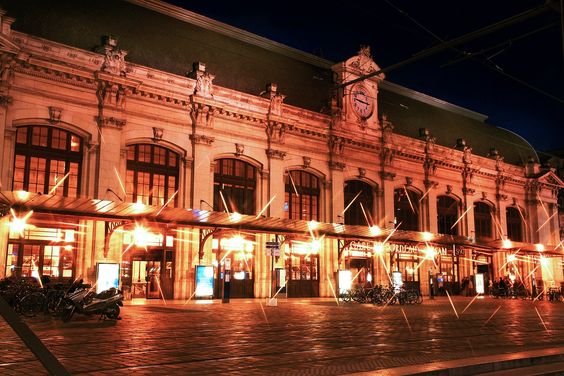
{"points": [[362, 103]]}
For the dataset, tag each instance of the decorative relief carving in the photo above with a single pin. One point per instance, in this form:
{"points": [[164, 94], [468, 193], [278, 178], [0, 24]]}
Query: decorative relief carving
{"points": [[202, 139], [5, 100], [111, 122], [468, 191], [340, 166], [7, 64], [204, 80], [336, 144], [55, 114], [361, 173], [449, 189], [363, 61], [275, 132], [276, 99], [307, 162], [387, 175], [275, 154], [114, 57], [202, 115], [408, 181], [501, 197], [239, 149], [113, 94], [467, 155]]}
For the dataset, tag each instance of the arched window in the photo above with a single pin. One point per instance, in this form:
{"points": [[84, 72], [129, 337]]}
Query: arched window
{"points": [[406, 207], [482, 220], [235, 186], [152, 174], [514, 224], [355, 215], [44, 156], [302, 196], [447, 215]]}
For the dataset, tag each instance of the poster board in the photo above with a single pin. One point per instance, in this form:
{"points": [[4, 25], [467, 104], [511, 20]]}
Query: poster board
{"points": [[107, 276], [204, 281]]}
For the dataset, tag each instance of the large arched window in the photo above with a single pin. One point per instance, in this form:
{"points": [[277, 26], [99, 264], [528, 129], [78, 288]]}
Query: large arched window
{"points": [[514, 224], [235, 186], [302, 196], [447, 215], [406, 208], [44, 156], [360, 210], [482, 220], [152, 174]]}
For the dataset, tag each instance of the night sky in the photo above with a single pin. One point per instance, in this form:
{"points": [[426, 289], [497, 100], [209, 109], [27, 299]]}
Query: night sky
{"points": [[514, 75]]}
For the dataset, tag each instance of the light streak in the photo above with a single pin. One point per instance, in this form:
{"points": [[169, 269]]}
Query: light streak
{"points": [[461, 216], [452, 304], [158, 279], [426, 193], [523, 217], [545, 222], [280, 289], [167, 202], [332, 289], [264, 314], [365, 216], [190, 298], [497, 225], [472, 301], [350, 203], [542, 204], [266, 206], [406, 320], [293, 184], [59, 183], [542, 321], [493, 314], [409, 199], [223, 200], [120, 182]]}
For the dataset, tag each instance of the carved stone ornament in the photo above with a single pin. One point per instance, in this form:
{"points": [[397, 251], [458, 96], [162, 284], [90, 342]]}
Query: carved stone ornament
{"points": [[468, 191], [55, 114], [239, 149], [114, 57], [467, 155], [276, 154], [501, 197], [202, 139], [387, 130], [111, 122], [408, 181], [361, 173], [204, 80], [202, 115], [307, 162], [339, 166], [363, 61], [7, 64], [386, 175], [5, 100], [387, 156], [276, 99], [113, 95], [275, 132], [449, 189], [336, 144], [484, 195]]}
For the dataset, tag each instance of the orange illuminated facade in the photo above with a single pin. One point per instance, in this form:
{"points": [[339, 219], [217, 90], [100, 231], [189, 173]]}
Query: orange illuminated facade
{"points": [[162, 154]]}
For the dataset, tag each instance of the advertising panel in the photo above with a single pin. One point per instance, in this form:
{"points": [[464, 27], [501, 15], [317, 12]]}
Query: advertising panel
{"points": [[479, 283], [345, 281], [204, 281], [107, 275]]}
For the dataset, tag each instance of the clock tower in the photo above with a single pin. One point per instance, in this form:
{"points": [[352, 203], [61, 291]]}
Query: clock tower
{"points": [[356, 99]]}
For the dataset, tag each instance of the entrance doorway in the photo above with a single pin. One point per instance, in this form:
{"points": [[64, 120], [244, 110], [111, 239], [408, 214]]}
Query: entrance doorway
{"points": [[151, 274]]}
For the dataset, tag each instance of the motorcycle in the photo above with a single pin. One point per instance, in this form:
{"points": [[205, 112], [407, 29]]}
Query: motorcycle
{"points": [[81, 299]]}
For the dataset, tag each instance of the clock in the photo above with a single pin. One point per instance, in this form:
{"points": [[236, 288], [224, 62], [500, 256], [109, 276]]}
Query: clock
{"points": [[362, 102]]}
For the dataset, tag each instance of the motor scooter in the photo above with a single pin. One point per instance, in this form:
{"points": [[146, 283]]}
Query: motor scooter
{"points": [[85, 301]]}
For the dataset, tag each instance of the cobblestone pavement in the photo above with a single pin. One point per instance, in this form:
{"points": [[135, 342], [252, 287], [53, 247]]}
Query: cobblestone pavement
{"points": [[296, 337]]}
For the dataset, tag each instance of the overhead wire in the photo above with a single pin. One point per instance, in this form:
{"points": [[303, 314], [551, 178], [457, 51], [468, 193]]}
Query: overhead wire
{"points": [[453, 42], [489, 64]]}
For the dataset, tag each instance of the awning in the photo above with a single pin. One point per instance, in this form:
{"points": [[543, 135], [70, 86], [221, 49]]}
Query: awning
{"points": [[106, 210]]}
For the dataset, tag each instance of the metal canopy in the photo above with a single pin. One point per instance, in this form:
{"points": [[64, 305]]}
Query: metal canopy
{"points": [[120, 211]]}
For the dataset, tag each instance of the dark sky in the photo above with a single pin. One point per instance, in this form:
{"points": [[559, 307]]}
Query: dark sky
{"points": [[514, 75]]}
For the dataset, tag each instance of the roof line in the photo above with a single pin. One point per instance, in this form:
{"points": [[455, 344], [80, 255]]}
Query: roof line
{"points": [[231, 31], [402, 90], [524, 140]]}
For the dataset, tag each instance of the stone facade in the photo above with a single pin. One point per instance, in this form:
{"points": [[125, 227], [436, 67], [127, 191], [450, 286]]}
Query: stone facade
{"points": [[112, 104]]}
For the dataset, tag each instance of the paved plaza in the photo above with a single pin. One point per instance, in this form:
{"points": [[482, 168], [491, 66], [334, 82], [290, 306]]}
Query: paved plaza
{"points": [[296, 337]]}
